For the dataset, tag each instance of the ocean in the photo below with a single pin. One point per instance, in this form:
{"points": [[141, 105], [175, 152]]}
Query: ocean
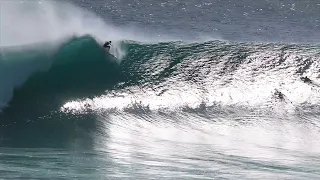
{"points": [[194, 89]]}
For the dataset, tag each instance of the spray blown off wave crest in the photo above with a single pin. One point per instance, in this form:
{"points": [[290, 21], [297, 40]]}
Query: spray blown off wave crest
{"points": [[47, 21], [40, 28]]}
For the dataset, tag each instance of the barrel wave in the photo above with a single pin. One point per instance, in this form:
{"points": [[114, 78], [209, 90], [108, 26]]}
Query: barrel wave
{"points": [[77, 68], [76, 95], [208, 73], [46, 76]]}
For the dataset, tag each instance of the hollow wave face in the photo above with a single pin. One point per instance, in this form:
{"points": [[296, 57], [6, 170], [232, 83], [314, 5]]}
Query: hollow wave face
{"points": [[40, 30]]}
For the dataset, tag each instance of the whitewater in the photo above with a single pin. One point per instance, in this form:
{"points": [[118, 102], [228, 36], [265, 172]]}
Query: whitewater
{"points": [[166, 102]]}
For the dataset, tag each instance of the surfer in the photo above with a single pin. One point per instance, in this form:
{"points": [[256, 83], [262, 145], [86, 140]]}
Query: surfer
{"points": [[306, 80], [107, 45], [278, 94]]}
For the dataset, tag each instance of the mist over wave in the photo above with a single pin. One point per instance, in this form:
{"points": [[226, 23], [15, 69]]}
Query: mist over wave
{"points": [[40, 29], [42, 21]]}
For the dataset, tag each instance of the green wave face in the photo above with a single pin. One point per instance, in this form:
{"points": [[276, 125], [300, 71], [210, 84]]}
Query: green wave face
{"points": [[81, 68], [78, 68], [167, 76]]}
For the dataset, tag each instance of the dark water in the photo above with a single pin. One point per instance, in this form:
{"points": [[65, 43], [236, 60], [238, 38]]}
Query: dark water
{"points": [[190, 90], [246, 20]]}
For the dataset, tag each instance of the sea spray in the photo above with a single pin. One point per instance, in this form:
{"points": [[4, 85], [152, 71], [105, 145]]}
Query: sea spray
{"points": [[32, 31]]}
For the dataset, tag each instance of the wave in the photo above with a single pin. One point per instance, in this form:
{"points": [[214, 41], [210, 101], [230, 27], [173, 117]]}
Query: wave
{"points": [[62, 89], [78, 68], [211, 72], [175, 75]]}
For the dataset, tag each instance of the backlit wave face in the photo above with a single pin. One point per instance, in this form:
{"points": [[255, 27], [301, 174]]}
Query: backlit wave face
{"points": [[218, 110], [190, 75]]}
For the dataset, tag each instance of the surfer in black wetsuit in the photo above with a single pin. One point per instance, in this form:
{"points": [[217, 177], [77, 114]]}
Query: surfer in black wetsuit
{"points": [[107, 45], [278, 95], [306, 80]]}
